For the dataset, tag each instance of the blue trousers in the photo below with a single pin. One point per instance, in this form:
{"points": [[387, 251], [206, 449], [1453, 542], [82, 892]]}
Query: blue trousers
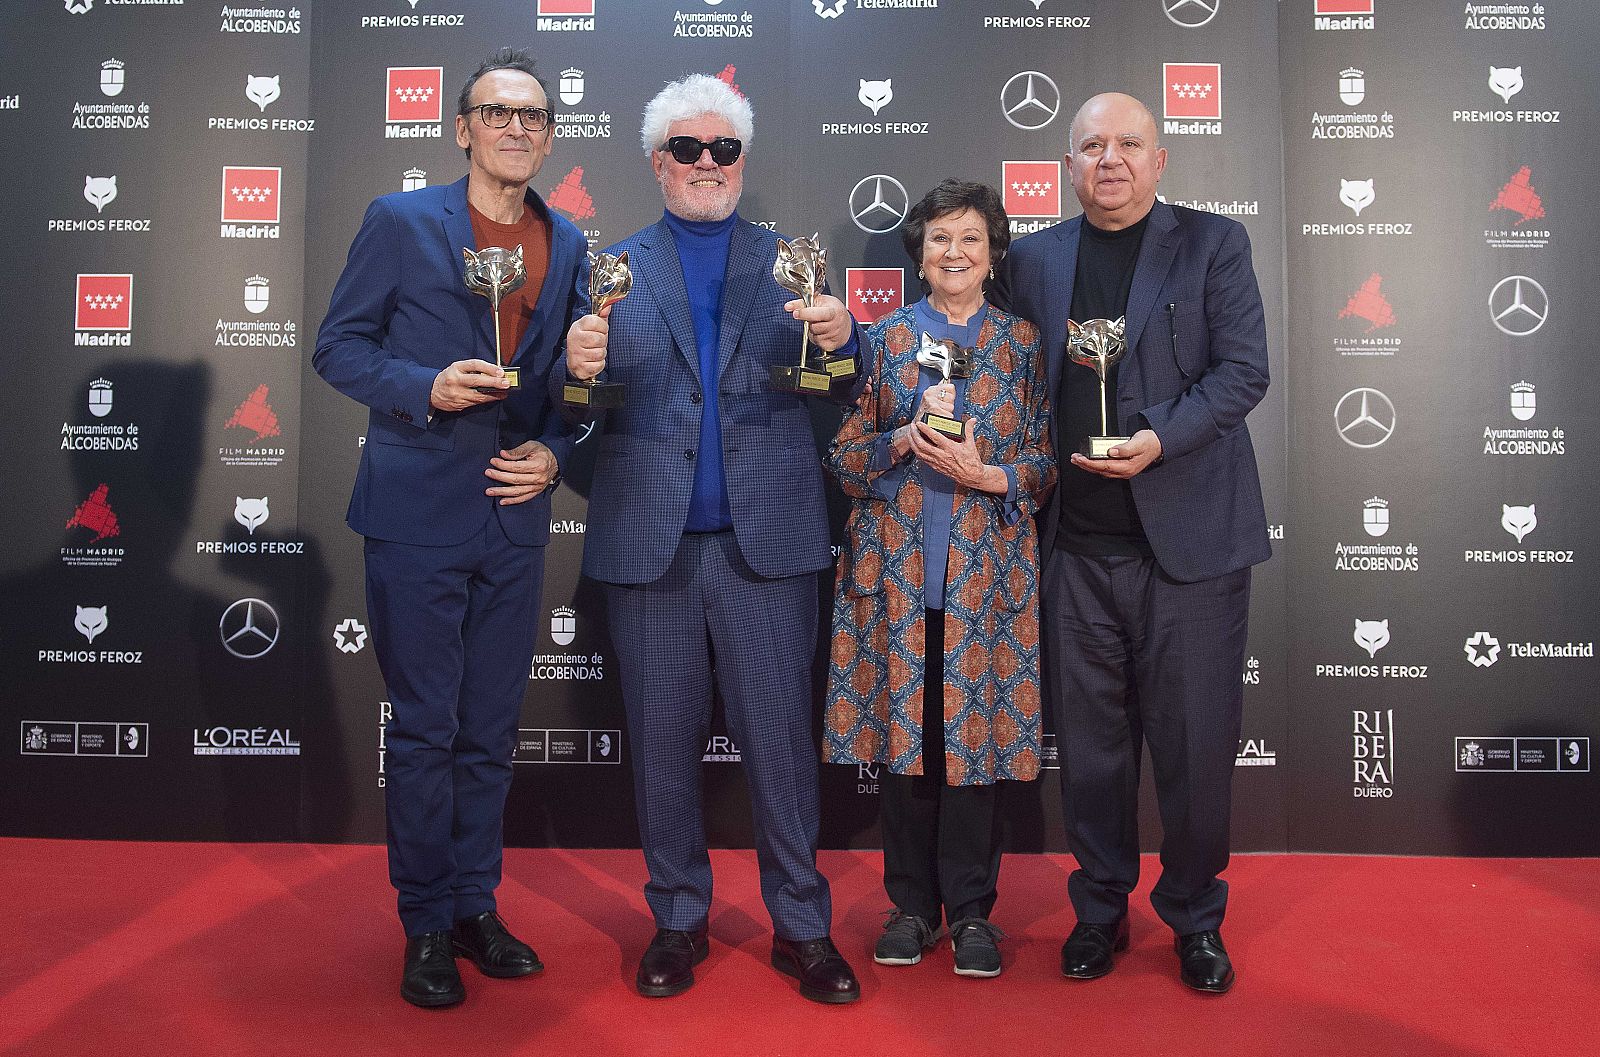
{"points": [[1134, 658], [454, 631], [709, 616]]}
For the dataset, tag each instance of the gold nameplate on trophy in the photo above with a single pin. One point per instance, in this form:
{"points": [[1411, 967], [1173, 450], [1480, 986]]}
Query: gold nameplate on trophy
{"points": [[610, 279], [951, 361], [801, 269]]}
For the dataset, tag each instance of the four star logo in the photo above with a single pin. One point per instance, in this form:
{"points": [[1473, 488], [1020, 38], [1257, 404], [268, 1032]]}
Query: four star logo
{"points": [[105, 302], [250, 194], [415, 95], [1193, 90], [872, 293], [1482, 649], [1032, 188]]}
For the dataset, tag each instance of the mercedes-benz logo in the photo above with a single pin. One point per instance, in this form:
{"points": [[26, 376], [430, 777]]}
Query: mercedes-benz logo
{"points": [[249, 628], [878, 204], [1030, 100], [1518, 305], [1191, 13], [1364, 417]]}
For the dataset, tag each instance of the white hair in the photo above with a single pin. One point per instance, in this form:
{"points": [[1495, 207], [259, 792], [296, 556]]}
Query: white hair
{"points": [[693, 96]]}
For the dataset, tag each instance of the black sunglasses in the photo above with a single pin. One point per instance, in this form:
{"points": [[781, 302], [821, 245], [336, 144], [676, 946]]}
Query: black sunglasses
{"points": [[686, 149]]}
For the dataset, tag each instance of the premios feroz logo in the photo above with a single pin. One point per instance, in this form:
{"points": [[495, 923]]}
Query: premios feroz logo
{"points": [[412, 19], [1039, 19], [1505, 82], [100, 192]]}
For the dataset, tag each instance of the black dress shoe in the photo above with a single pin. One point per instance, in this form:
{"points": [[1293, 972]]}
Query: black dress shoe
{"points": [[823, 973], [667, 967], [430, 979], [1087, 953], [1204, 962], [486, 940]]}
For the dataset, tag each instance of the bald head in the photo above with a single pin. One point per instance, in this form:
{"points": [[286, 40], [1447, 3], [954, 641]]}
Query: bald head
{"points": [[1115, 160]]}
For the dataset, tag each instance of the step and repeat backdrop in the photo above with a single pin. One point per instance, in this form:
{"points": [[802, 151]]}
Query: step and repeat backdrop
{"points": [[186, 648]]}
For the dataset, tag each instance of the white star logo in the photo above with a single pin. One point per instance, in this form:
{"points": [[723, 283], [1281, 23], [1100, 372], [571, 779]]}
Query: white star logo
{"points": [[350, 636], [1483, 649]]}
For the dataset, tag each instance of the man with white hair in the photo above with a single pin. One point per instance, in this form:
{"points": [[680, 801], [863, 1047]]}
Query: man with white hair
{"points": [[707, 524]]}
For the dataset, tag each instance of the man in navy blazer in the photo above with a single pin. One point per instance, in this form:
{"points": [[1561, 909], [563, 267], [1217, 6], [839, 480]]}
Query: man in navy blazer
{"points": [[452, 497], [1148, 552], [708, 527]]}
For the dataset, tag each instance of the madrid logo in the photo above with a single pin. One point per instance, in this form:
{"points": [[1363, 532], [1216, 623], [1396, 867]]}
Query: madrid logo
{"points": [[872, 293], [104, 302], [1192, 92], [1031, 188]]}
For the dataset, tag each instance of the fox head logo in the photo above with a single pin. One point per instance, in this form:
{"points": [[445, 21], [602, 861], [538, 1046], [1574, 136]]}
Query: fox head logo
{"points": [[875, 95], [1505, 82], [249, 512], [1357, 194], [1372, 635], [90, 620], [1518, 520], [99, 190], [261, 90]]}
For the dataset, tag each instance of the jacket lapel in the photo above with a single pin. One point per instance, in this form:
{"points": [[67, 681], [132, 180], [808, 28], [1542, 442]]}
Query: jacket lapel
{"points": [[1061, 272], [660, 271], [1160, 246], [745, 271], [554, 291], [458, 234]]}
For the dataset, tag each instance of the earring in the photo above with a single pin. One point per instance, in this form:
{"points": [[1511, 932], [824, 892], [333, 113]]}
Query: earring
{"points": [[991, 273], [920, 275]]}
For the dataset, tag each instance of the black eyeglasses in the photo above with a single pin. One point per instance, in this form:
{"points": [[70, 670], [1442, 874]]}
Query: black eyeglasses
{"points": [[686, 149], [498, 115]]}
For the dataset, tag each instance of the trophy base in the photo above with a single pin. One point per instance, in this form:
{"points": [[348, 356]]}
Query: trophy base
{"points": [[836, 366], [1099, 447], [513, 381], [953, 428], [791, 379], [599, 395]]}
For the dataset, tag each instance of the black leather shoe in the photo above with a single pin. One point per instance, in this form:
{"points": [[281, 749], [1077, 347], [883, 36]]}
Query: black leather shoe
{"points": [[491, 947], [823, 973], [667, 967], [1087, 953], [1204, 962], [430, 979]]}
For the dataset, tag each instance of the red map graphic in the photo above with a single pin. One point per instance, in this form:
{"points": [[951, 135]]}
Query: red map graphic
{"points": [[571, 197], [726, 77], [96, 515], [1368, 303], [1519, 196], [256, 414]]}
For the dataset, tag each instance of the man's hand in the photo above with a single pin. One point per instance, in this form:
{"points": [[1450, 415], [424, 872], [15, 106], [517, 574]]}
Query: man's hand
{"points": [[829, 319], [523, 472], [456, 387], [1127, 460], [586, 346]]}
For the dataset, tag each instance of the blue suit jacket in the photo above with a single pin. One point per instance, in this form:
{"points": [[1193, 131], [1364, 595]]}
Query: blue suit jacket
{"points": [[644, 472], [1192, 372], [400, 313]]}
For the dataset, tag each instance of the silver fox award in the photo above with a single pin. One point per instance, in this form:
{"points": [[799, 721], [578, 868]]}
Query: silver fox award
{"points": [[1098, 344], [610, 280], [495, 272], [801, 268]]}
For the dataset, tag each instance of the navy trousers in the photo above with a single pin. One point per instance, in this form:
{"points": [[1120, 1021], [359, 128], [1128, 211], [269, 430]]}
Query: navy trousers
{"points": [[710, 616], [1134, 657], [454, 631]]}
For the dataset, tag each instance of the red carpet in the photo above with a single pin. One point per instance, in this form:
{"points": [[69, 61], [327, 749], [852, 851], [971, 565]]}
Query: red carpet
{"points": [[190, 949]]}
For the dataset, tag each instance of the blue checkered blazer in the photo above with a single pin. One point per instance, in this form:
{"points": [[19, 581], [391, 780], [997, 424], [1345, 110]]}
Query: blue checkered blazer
{"points": [[644, 473]]}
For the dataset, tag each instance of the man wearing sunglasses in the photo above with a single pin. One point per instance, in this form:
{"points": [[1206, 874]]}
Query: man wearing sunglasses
{"points": [[452, 497], [708, 527]]}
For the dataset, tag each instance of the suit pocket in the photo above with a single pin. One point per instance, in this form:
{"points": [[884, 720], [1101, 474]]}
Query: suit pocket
{"points": [[381, 429], [1188, 336]]}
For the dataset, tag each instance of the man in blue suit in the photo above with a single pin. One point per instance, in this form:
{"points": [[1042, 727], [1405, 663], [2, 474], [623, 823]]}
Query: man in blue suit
{"points": [[1146, 588], [708, 527], [452, 497]]}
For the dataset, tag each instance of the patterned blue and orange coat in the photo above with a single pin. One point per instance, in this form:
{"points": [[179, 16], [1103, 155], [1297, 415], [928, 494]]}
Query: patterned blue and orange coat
{"points": [[991, 602]]}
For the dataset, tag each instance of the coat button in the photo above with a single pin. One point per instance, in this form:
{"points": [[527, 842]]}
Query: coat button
{"points": [[694, 397], [689, 454]]}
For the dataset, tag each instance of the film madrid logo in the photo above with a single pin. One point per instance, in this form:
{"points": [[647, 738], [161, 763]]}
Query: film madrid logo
{"points": [[1344, 14], [872, 293], [1031, 189], [571, 197], [1352, 123], [1524, 440], [1372, 747], [565, 16], [122, 114], [414, 103], [260, 19], [91, 622], [253, 422], [1519, 205], [1372, 556], [1372, 318], [93, 521], [251, 201], [100, 436], [104, 310], [1193, 98], [579, 124], [256, 333]]}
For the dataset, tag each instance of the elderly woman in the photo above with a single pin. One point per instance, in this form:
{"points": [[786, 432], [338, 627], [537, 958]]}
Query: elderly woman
{"points": [[934, 672]]}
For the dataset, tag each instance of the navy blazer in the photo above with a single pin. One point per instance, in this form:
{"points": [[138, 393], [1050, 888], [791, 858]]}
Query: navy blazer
{"points": [[644, 471], [1196, 364], [401, 312]]}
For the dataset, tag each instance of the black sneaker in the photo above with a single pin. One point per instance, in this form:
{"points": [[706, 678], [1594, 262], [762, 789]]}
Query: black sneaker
{"points": [[976, 942], [905, 937]]}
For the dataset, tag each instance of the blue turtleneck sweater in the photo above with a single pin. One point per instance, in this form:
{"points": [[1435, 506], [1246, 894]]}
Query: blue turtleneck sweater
{"points": [[703, 254]]}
